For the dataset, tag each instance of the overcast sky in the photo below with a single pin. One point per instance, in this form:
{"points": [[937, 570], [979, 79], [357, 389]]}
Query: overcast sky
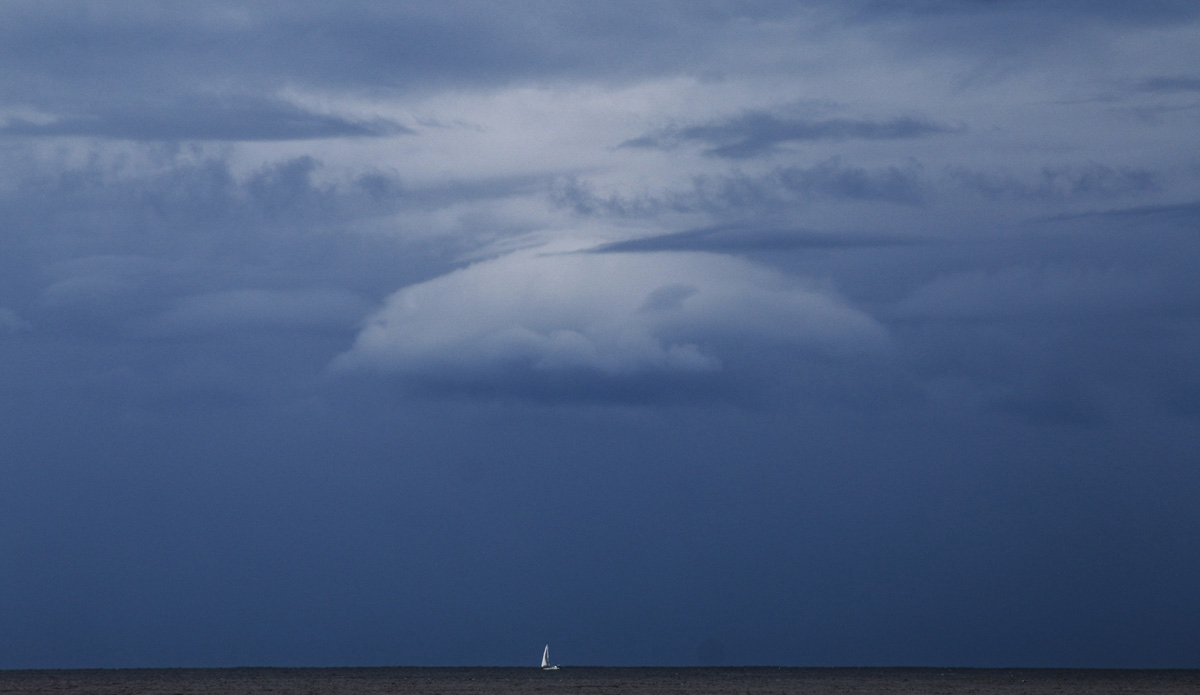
{"points": [[822, 333]]}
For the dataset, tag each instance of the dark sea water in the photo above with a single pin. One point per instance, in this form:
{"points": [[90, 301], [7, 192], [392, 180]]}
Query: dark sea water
{"points": [[599, 681]]}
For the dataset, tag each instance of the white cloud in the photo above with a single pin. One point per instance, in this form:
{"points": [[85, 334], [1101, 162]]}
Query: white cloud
{"points": [[532, 315]]}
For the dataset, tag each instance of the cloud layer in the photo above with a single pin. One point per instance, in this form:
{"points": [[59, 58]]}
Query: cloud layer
{"points": [[523, 321]]}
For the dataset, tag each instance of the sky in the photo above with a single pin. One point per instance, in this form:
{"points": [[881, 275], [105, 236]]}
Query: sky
{"points": [[855, 333]]}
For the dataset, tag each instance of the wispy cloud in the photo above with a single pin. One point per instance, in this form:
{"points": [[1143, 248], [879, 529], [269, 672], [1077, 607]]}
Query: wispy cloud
{"points": [[1087, 181], [746, 238], [757, 133], [727, 194], [1169, 84], [219, 118]]}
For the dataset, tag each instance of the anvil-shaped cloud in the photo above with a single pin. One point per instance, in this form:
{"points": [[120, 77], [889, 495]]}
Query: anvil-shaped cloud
{"points": [[550, 321]]}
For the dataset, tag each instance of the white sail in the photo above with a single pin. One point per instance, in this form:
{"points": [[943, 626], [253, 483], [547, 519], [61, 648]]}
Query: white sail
{"points": [[546, 660]]}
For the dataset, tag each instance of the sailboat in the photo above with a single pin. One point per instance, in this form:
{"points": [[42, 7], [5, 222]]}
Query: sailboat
{"points": [[546, 660]]}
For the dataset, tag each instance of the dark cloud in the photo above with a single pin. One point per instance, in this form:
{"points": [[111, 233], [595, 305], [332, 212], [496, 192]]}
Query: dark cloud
{"points": [[218, 118], [109, 59], [1092, 180], [894, 184], [579, 195], [757, 133], [777, 190], [190, 207], [285, 218], [747, 238], [1169, 85], [1179, 211], [1121, 11], [108, 252], [987, 28], [794, 185]]}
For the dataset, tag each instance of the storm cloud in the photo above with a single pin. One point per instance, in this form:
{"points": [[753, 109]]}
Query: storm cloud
{"points": [[833, 333]]}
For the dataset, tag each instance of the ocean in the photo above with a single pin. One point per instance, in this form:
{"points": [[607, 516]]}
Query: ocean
{"points": [[599, 681]]}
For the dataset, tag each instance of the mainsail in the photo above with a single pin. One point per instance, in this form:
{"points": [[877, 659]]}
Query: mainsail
{"points": [[546, 659]]}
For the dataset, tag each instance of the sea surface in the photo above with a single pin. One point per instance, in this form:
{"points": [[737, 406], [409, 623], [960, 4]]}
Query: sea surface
{"points": [[599, 681]]}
